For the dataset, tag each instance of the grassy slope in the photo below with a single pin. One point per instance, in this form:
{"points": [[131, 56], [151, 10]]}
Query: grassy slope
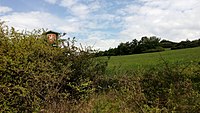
{"points": [[129, 62]]}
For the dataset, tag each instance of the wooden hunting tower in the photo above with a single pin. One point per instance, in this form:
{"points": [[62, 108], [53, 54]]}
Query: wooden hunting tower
{"points": [[52, 37]]}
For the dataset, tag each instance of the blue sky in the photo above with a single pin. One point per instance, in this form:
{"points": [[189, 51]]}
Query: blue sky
{"points": [[105, 23]]}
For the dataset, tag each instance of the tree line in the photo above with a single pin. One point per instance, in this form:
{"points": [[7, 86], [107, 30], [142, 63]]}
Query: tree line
{"points": [[147, 45]]}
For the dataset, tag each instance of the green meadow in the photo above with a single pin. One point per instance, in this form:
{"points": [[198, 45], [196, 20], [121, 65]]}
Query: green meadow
{"points": [[147, 60]]}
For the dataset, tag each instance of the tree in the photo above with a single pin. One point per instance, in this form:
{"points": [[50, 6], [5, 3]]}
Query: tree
{"points": [[167, 44]]}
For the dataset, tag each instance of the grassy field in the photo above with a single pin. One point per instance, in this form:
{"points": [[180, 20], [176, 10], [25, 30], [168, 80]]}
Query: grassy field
{"points": [[138, 61]]}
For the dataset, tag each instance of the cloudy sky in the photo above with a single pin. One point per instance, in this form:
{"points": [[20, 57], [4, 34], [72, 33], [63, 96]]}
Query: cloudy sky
{"points": [[105, 23]]}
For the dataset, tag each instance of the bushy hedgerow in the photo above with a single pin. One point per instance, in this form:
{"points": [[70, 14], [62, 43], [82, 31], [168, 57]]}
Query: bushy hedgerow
{"points": [[165, 88], [34, 74], [172, 88]]}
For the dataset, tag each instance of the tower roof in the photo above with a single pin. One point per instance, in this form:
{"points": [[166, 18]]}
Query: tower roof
{"points": [[52, 32]]}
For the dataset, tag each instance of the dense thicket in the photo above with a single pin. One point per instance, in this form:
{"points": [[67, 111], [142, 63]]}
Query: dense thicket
{"points": [[146, 45], [34, 74]]}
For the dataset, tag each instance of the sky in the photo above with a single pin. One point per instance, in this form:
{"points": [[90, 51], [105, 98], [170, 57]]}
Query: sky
{"points": [[103, 24]]}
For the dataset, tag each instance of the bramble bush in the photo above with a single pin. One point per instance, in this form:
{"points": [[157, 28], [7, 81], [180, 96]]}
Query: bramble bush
{"points": [[172, 88], [34, 74]]}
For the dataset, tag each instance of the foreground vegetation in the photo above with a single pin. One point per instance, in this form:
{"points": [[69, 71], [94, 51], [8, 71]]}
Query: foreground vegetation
{"points": [[36, 77]]}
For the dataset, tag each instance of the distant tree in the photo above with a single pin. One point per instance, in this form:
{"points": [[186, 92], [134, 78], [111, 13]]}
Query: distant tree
{"points": [[133, 45], [195, 43], [148, 44], [123, 48], [183, 44], [167, 44]]}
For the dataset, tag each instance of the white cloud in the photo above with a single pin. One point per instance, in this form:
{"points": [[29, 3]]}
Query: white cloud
{"points": [[37, 20], [69, 28], [101, 21], [79, 9], [4, 9], [75, 7], [94, 6], [51, 1], [102, 44], [169, 19], [30, 20], [68, 3], [99, 41]]}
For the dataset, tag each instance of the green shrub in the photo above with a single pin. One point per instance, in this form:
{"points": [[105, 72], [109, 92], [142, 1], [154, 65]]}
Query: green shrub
{"points": [[34, 74], [171, 88]]}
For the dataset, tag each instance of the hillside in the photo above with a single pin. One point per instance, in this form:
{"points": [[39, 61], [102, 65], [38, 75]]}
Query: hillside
{"points": [[129, 62]]}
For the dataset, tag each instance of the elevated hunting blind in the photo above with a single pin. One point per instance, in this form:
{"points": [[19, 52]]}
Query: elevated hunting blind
{"points": [[52, 37]]}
